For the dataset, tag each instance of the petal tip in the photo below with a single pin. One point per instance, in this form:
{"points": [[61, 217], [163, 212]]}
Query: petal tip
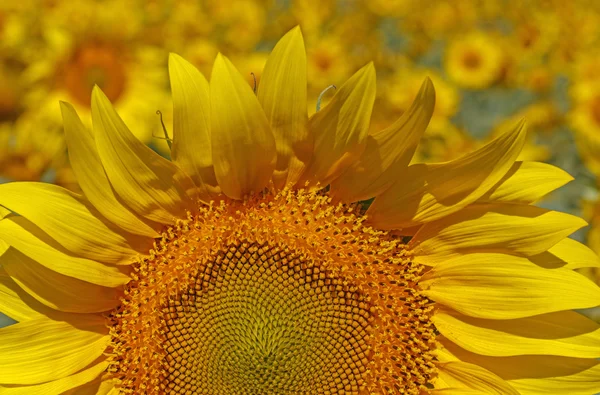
{"points": [[65, 106], [173, 57], [98, 95]]}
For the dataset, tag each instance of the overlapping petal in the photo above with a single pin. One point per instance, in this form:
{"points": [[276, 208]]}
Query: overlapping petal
{"points": [[18, 304], [535, 374], [527, 182], [61, 386], [564, 333], [426, 192], [74, 224], [150, 185], [243, 146], [508, 228], [469, 376], [501, 286], [56, 290], [92, 178], [191, 149], [282, 95], [42, 350], [387, 152], [340, 129], [568, 254], [35, 244]]}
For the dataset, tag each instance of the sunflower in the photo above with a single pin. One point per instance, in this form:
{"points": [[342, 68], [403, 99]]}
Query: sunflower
{"points": [[78, 48], [31, 153], [475, 61], [231, 270], [584, 118]]}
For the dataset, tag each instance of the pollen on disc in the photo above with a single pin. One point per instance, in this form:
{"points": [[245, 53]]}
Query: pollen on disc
{"points": [[280, 294]]}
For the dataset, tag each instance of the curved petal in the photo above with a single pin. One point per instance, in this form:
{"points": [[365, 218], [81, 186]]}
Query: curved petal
{"points": [[564, 333], [387, 153], [18, 304], [567, 254], [427, 192], [537, 374], [458, 391], [243, 145], [526, 183], [584, 382], [500, 286], [191, 122], [41, 350], [282, 95], [150, 185], [87, 166], [55, 290], [510, 228], [32, 242], [466, 375], [61, 385], [76, 226], [340, 129], [97, 387]]}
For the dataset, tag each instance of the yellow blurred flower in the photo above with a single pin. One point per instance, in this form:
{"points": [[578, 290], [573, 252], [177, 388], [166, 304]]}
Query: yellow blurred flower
{"points": [[387, 8], [584, 118], [475, 61], [238, 24], [30, 152], [586, 69], [402, 87], [328, 63], [82, 49], [12, 89], [201, 53], [311, 18]]}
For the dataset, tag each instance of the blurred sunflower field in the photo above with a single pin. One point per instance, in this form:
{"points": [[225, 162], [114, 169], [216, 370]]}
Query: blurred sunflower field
{"points": [[492, 63]]}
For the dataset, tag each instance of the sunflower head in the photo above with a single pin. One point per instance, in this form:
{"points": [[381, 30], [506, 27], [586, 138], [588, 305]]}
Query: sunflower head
{"points": [[232, 269], [93, 64], [475, 61]]}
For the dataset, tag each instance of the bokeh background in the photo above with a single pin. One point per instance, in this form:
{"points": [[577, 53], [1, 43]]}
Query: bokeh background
{"points": [[493, 62]]}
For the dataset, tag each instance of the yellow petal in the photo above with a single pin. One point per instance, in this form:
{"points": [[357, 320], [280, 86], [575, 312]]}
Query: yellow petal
{"points": [[97, 387], [191, 122], [568, 254], [527, 182], [16, 303], [26, 238], [56, 290], [42, 350], [458, 391], [500, 286], [4, 212], [61, 385], [537, 374], [466, 375], [564, 333], [427, 192], [75, 225], [150, 185], [584, 382], [86, 164], [387, 153], [243, 145], [511, 228], [340, 129], [282, 95]]}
